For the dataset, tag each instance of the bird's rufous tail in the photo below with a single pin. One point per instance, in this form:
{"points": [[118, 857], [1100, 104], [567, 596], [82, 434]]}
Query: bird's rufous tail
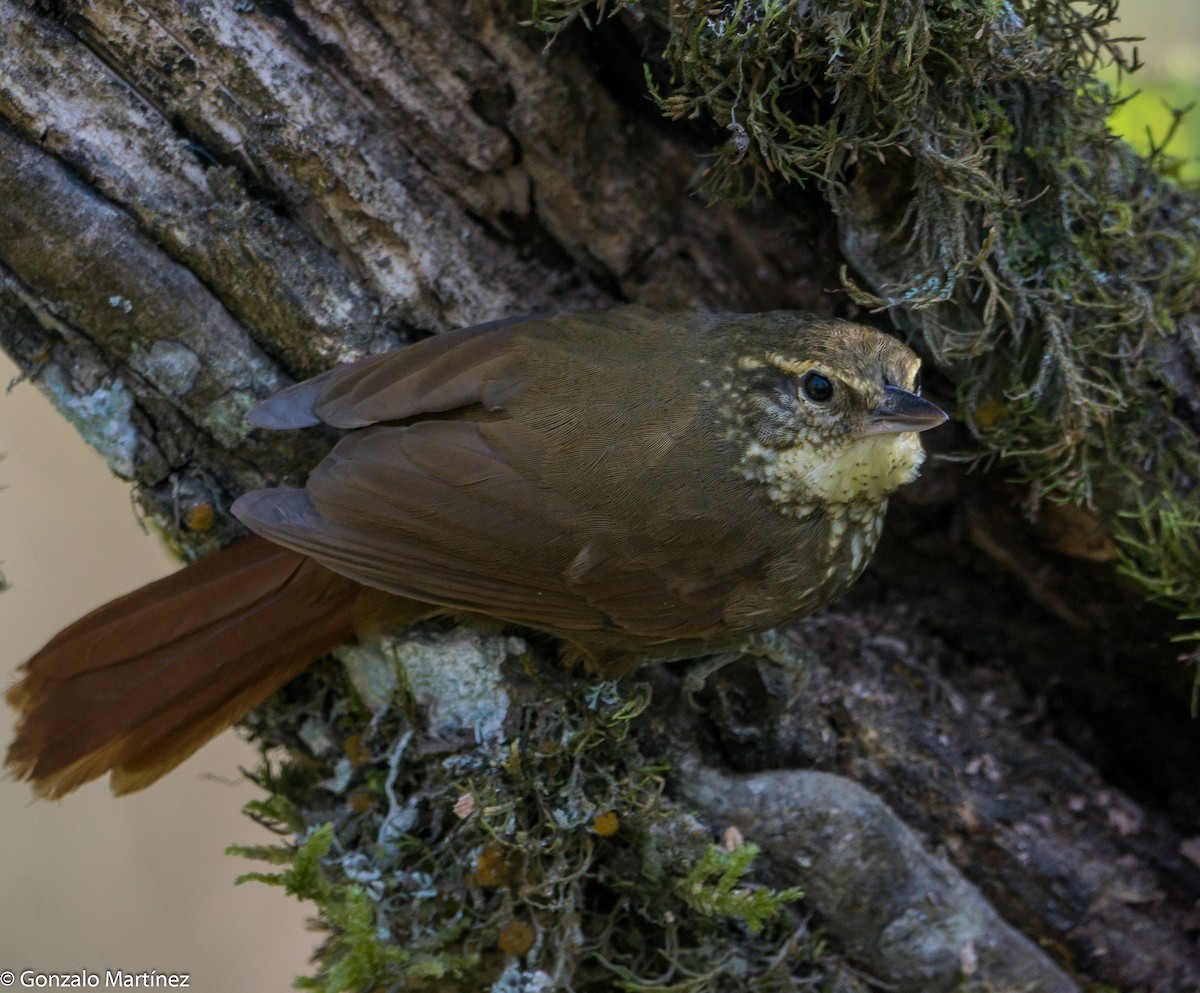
{"points": [[140, 683]]}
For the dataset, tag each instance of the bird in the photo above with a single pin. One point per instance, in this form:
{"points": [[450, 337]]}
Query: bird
{"points": [[639, 485]]}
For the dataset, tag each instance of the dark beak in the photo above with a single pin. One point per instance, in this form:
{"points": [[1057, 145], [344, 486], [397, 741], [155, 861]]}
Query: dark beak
{"points": [[903, 411]]}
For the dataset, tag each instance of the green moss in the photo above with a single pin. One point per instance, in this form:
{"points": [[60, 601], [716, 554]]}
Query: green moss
{"points": [[362, 953], [1160, 550], [555, 16], [715, 886], [1161, 540]]}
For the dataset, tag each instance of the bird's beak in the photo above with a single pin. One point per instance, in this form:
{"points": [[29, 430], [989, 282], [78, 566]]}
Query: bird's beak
{"points": [[903, 411]]}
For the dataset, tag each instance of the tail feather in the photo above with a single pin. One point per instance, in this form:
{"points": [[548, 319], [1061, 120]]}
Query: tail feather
{"points": [[139, 684]]}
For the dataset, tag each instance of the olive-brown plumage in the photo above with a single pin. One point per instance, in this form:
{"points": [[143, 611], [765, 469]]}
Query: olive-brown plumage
{"points": [[639, 485]]}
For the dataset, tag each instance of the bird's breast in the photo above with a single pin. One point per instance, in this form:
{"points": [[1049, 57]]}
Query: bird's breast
{"points": [[852, 534]]}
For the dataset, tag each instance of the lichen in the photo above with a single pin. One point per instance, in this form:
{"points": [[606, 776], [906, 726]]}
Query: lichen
{"points": [[1045, 268], [103, 416], [546, 858], [170, 365]]}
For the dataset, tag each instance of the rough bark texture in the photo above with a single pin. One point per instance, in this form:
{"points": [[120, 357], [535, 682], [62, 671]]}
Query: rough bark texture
{"points": [[200, 203]]}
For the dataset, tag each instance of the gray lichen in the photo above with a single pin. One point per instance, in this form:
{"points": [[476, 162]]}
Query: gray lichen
{"points": [[170, 365], [102, 416]]}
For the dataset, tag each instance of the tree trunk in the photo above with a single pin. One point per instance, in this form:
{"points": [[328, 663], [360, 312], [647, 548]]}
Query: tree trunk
{"points": [[978, 766]]}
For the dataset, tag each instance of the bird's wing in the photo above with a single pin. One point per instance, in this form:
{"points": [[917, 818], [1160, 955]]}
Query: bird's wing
{"points": [[449, 512], [436, 511], [448, 371], [456, 506]]}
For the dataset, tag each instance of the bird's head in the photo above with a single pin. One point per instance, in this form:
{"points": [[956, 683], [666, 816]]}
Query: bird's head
{"points": [[829, 414]]}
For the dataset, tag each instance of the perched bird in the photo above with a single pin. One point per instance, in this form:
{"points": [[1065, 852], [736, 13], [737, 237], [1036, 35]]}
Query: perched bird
{"points": [[642, 486]]}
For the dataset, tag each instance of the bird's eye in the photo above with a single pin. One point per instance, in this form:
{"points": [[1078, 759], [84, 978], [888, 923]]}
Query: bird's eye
{"points": [[816, 387]]}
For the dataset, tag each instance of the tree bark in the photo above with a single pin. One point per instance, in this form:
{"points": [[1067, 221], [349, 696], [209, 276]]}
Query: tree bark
{"points": [[202, 203]]}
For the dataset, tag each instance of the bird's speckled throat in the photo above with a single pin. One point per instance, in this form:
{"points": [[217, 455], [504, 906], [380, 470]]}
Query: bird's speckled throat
{"points": [[834, 472]]}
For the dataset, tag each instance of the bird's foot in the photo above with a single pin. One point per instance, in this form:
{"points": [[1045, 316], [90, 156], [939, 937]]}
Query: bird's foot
{"points": [[782, 665]]}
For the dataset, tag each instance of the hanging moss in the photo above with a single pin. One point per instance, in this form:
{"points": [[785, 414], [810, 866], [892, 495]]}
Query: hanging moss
{"points": [[1044, 267]]}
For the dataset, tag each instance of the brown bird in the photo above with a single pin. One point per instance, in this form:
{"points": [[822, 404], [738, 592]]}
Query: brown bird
{"points": [[642, 486]]}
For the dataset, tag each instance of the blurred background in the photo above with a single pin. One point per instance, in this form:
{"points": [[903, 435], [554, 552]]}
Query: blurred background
{"points": [[92, 882], [1168, 83], [142, 883]]}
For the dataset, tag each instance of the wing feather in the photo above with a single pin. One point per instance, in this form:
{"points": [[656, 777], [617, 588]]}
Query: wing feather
{"points": [[448, 371], [436, 511]]}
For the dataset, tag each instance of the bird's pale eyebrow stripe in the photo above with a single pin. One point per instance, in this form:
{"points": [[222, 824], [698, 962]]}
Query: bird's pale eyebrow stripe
{"points": [[795, 367]]}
